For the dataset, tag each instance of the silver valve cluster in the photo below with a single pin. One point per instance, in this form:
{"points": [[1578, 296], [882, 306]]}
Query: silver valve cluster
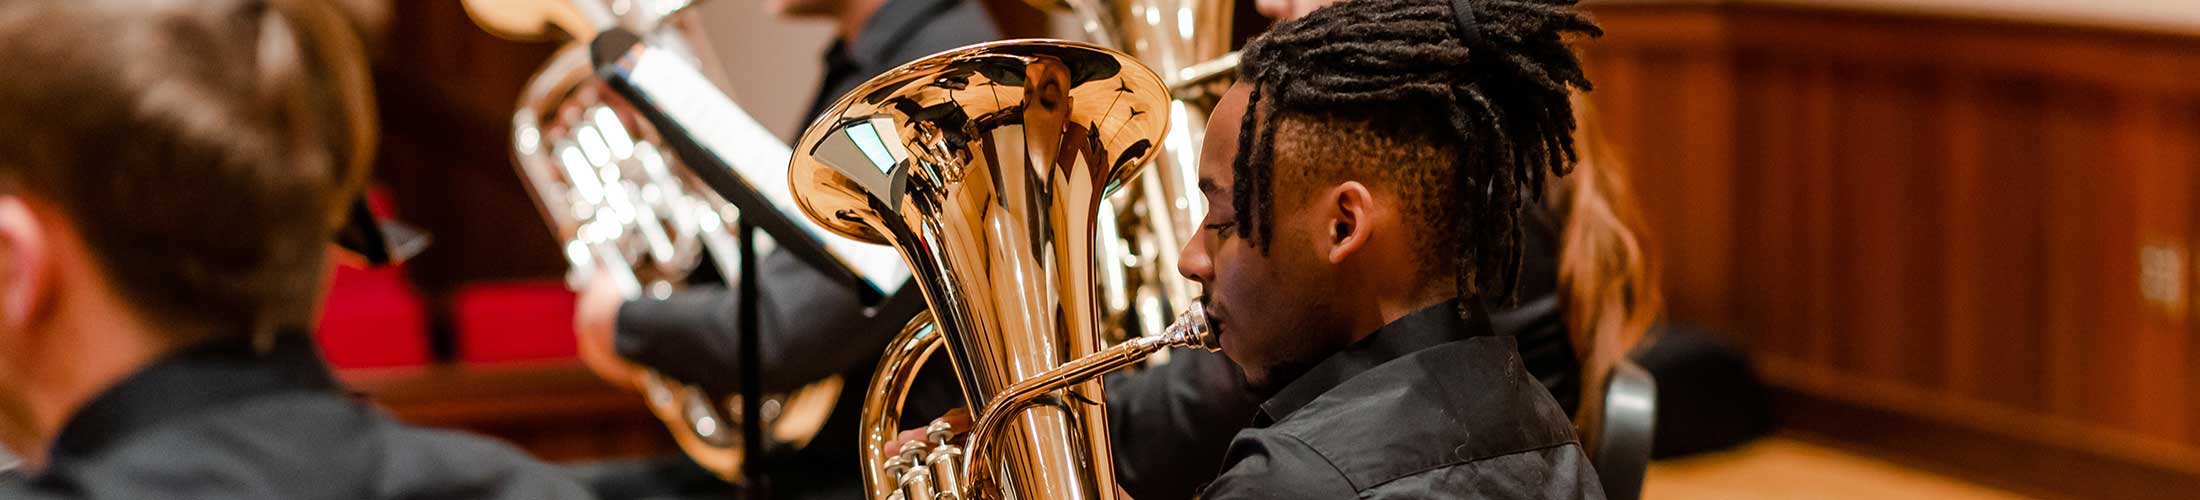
{"points": [[929, 470]]}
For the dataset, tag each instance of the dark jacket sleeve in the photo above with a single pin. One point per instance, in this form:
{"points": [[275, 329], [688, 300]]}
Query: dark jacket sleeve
{"points": [[1270, 466], [812, 327], [1171, 424]]}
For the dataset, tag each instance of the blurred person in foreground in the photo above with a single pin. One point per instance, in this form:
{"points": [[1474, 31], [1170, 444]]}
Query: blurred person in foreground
{"points": [[173, 174]]}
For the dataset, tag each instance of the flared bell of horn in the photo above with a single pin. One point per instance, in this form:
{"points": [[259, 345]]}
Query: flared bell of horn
{"points": [[987, 167]]}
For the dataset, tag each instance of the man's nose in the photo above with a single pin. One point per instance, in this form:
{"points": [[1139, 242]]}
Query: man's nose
{"points": [[1193, 262]]}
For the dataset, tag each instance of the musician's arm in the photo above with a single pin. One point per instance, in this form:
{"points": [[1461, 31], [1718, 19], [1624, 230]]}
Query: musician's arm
{"points": [[811, 328]]}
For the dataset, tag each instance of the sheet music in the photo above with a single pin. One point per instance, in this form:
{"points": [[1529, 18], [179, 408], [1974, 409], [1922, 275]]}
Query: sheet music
{"points": [[756, 157]]}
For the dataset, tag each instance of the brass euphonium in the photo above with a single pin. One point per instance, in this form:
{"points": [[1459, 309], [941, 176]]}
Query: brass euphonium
{"points": [[987, 168], [1188, 43], [629, 212]]}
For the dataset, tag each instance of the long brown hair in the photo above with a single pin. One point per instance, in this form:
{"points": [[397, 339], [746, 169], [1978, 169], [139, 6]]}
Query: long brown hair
{"points": [[1606, 277]]}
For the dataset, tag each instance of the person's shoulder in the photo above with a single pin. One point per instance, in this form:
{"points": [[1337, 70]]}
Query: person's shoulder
{"points": [[1266, 464], [430, 463], [263, 447], [307, 445], [1453, 404], [1560, 472]]}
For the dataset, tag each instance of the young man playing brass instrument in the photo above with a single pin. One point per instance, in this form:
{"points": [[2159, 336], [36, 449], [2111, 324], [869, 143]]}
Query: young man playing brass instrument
{"points": [[1386, 153], [1369, 179]]}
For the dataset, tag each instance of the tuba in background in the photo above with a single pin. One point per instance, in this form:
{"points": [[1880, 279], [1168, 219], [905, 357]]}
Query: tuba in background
{"points": [[988, 168], [628, 211], [1188, 43]]}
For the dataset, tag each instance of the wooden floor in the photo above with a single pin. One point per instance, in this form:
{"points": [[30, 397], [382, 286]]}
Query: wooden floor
{"points": [[1784, 468]]}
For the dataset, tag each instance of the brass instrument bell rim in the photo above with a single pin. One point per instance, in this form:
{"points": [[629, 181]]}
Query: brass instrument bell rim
{"points": [[805, 169], [1050, 5], [530, 20]]}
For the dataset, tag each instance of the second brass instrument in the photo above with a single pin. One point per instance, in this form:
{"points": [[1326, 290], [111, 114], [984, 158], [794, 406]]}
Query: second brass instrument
{"points": [[987, 168], [629, 212], [1188, 43]]}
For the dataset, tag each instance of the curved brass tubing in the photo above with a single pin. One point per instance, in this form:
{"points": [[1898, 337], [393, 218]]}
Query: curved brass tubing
{"points": [[897, 370], [1190, 330], [917, 342]]}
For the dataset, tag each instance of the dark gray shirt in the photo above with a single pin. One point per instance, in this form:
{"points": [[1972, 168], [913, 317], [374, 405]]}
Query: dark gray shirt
{"points": [[1172, 424], [216, 422], [1419, 409]]}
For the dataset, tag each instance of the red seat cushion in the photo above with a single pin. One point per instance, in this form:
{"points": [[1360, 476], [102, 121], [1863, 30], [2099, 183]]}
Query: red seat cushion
{"points": [[373, 319], [513, 321]]}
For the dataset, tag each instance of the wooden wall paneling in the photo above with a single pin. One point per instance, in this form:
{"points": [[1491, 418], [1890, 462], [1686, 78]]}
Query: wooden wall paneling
{"points": [[1911, 341], [2123, 313], [2083, 240], [1939, 222], [2010, 206], [2076, 54], [1823, 315], [1964, 307], [2186, 157], [1649, 136], [1770, 233], [2147, 137], [1875, 143], [1703, 155]]}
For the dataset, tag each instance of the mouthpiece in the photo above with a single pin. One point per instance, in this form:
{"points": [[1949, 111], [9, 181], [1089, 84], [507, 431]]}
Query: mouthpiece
{"points": [[1192, 330]]}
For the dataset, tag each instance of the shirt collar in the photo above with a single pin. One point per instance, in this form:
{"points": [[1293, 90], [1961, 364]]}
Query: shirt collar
{"points": [[891, 25], [188, 382], [1423, 329]]}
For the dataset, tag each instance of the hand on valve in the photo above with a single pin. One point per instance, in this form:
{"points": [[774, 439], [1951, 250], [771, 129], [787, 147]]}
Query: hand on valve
{"points": [[952, 430]]}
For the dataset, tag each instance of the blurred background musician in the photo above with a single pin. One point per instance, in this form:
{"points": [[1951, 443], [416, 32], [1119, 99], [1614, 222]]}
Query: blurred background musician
{"points": [[174, 173], [687, 336], [812, 327]]}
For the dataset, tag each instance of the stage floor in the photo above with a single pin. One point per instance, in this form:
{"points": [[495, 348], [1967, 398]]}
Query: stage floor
{"points": [[1790, 469]]}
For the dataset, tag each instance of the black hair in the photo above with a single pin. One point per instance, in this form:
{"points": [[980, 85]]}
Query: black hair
{"points": [[1494, 102]]}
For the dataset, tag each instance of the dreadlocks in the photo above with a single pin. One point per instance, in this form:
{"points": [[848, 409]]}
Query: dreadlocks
{"points": [[1488, 112]]}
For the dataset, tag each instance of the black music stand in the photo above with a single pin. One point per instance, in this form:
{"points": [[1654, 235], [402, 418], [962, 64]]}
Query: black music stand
{"points": [[756, 483]]}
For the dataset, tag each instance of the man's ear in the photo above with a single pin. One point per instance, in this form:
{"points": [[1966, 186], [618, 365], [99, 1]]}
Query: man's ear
{"points": [[26, 260], [1349, 215]]}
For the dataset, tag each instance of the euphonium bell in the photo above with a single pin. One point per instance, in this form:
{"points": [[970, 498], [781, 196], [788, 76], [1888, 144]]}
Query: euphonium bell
{"points": [[629, 212], [987, 168]]}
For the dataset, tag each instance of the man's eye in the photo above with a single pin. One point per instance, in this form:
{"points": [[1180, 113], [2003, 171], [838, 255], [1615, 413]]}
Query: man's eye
{"points": [[1221, 227]]}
